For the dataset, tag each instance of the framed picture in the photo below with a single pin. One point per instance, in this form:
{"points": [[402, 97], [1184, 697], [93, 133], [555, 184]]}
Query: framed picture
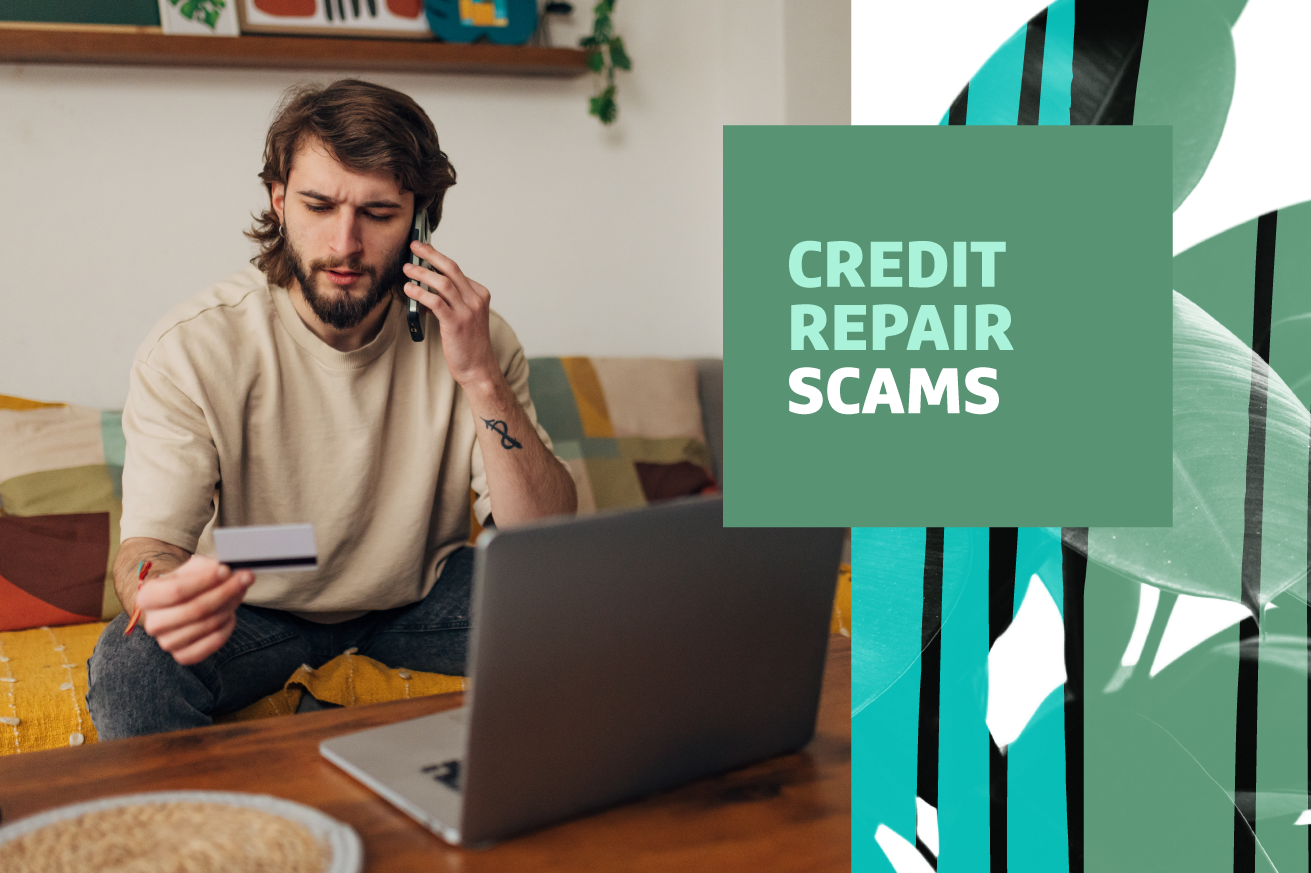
{"points": [[402, 19], [509, 22], [199, 17]]}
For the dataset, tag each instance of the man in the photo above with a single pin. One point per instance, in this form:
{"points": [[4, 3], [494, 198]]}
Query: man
{"points": [[293, 393]]}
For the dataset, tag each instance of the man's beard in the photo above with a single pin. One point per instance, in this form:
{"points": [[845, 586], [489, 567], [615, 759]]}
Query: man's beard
{"points": [[345, 311]]}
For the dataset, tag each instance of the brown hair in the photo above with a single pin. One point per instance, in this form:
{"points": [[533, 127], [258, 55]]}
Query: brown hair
{"points": [[367, 128]]}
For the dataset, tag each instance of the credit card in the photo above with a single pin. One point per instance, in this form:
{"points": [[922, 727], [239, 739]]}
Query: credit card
{"points": [[279, 547]]}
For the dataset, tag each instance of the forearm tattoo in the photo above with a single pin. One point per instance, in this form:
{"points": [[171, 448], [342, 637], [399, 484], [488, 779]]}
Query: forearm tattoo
{"points": [[507, 441]]}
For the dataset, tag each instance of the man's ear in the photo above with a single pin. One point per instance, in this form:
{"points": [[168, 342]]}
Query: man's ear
{"points": [[278, 199]]}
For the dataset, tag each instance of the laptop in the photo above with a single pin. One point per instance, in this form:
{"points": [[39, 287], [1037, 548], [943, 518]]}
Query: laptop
{"points": [[613, 656]]}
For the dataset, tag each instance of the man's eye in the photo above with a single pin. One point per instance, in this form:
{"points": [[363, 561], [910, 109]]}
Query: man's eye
{"points": [[377, 217], [317, 207]]}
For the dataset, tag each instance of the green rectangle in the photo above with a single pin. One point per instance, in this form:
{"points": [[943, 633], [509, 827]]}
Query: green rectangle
{"points": [[1081, 431], [138, 12]]}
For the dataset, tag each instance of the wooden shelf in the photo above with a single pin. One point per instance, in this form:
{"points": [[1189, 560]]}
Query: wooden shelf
{"points": [[140, 47]]}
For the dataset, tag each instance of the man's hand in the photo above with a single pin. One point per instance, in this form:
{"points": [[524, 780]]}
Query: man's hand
{"points": [[191, 611], [526, 481], [462, 308]]}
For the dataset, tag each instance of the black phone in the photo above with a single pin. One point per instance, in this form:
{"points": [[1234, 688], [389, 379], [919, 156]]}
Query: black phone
{"points": [[413, 311]]}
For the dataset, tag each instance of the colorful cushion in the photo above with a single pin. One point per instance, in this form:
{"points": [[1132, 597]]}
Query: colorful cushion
{"points": [[629, 429], [61, 492]]}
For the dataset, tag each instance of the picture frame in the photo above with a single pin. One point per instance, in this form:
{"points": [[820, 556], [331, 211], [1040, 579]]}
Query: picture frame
{"points": [[199, 17], [379, 19]]}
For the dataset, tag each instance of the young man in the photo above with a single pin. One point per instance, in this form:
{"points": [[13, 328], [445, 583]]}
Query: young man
{"points": [[293, 393]]}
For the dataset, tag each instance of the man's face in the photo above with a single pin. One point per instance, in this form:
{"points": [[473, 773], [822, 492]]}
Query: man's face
{"points": [[347, 235]]}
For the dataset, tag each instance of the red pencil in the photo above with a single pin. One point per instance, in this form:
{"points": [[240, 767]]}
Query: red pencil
{"points": [[136, 613]]}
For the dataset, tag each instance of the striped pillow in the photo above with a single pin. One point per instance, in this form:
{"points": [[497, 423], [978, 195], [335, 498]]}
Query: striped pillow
{"points": [[61, 492]]}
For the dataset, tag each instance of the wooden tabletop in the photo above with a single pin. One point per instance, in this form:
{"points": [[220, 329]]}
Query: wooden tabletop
{"points": [[790, 813]]}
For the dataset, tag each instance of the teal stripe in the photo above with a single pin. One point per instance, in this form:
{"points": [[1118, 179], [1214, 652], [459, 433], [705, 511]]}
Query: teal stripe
{"points": [[963, 741], [1036, 837], [557, 411], [115, 447], [111, 436], [887, 597], [1057, 64], [995, 88]]}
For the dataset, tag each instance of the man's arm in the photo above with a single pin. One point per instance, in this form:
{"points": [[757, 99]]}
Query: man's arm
{"points": [[527, 480], [191, 602], [162, 556]]}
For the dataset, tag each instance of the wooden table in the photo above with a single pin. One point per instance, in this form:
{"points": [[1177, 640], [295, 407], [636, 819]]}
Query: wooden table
{"points": [[790, 813]]}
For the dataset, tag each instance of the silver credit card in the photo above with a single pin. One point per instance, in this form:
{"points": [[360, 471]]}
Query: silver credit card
{"points": [[280, 547]]}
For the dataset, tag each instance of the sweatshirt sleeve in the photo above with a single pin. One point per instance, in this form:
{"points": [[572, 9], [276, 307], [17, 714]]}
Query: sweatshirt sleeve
{"points": [[171, 469]]}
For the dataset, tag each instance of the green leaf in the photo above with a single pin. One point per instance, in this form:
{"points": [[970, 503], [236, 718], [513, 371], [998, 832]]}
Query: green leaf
{"points": [[603, 27], [595, 61], [587, 41], [618, 56], [603, 106], [1186, 80], [1202, 553]]}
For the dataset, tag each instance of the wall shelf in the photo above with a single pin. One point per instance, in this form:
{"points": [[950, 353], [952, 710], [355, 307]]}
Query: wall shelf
{"points": [[147, 47]]}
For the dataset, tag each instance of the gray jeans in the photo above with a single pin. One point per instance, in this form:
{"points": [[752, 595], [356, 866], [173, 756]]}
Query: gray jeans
{"points": [[136, 688]]}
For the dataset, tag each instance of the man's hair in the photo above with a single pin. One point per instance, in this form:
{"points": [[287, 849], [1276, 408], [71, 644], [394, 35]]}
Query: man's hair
{"points": [[365, 127]]}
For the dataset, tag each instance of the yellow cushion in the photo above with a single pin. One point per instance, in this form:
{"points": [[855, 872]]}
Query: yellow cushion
{"points": [[48, 694]]}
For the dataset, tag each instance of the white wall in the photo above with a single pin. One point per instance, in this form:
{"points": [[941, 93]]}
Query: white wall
{"points": [[125, 190], [817, 61]]}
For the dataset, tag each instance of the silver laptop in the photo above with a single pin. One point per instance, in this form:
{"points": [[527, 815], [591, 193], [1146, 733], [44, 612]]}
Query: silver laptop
{"points": [[613, 656]]}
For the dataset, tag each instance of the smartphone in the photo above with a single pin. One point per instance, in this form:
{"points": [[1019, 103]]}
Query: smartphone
{"points": [[413, 311]]}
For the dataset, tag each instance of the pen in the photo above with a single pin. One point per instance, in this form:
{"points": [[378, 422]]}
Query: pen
{"points": [[142, 570]]}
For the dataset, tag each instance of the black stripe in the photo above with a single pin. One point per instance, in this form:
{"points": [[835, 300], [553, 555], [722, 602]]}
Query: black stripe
{"points": [[930, 675], [1108, 42], [1245, 727], [1002, 542], [926, 852], [1074, 571], [1245, 750], [956, 114], [272, 563], [1264, 291], [1035, 37]]}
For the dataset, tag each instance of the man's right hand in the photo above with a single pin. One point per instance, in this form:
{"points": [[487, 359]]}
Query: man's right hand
{"points": [[191, 611]]}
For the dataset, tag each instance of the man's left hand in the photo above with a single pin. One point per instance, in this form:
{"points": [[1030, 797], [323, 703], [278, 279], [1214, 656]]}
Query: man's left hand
{"points": [[462, 308]]}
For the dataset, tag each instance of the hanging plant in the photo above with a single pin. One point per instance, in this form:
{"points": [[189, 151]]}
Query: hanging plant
{"points": [[607, 55]]}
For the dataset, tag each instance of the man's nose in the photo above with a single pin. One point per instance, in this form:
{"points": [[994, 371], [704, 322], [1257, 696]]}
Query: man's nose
{"points": [[346, 234]]}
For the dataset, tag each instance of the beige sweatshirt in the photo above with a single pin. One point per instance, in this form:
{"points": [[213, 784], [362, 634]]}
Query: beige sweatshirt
{"points": [[238, 414]]}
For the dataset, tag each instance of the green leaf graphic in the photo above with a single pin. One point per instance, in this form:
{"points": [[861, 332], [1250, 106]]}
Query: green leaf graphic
{"points": [[1186, 80], [1202, 553]]}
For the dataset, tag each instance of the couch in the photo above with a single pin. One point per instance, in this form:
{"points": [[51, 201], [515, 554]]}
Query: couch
{"points": [[631, 430]]}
